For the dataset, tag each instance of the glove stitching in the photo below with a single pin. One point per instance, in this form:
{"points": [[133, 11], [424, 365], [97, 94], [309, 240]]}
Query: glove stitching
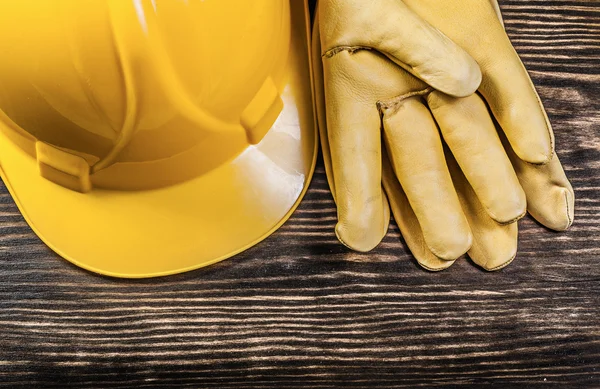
{"points": [[434, 269], [394, 104], [507, 223], [568, 211], [500, 267], [349, 49]]}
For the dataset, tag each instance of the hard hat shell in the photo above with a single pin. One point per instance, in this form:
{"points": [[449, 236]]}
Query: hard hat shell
{"points": [[142, 138]]}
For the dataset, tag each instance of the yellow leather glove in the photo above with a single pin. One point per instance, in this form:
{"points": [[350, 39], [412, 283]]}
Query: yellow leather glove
{"points": [[362, 89]]}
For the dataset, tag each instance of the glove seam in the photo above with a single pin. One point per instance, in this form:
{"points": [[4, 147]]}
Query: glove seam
{"points": [[349, 49], [394, 104]]}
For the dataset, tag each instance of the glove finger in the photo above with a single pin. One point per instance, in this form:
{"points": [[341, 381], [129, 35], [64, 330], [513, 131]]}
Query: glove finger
{"points": [[494, 245], [516, 105], [470, 133], [390, 27], [415, 149], [407, 221], [354, 138], [322, 120], [550, 196], [506, 85]]}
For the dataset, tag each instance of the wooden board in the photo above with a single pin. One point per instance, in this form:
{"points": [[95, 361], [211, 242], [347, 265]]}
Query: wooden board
{"points": [[300, 310]]}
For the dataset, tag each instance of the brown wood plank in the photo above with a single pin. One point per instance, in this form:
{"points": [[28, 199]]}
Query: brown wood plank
{"points": [[300, 310]]}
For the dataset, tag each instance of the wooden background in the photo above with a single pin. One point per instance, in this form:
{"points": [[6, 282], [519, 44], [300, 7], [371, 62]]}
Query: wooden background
{"points": [[300, 310]]}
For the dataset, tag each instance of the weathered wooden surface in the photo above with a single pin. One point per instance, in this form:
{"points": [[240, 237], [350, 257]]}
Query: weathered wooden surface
{"points": [[300, 310]]}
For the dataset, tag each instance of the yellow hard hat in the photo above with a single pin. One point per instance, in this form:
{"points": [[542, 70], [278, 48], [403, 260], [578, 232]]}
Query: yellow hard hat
{"points": [[142, 138]]}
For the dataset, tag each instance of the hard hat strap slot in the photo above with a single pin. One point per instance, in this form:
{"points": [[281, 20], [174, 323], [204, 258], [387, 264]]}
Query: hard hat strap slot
{"points": [[262, 112], [63, 168]]}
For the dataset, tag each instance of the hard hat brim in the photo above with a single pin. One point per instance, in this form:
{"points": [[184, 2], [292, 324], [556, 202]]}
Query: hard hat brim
{"points": [[136, 234]]}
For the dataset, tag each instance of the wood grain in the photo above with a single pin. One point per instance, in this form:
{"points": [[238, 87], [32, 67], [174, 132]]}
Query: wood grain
{"points": [[301, 311]]}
